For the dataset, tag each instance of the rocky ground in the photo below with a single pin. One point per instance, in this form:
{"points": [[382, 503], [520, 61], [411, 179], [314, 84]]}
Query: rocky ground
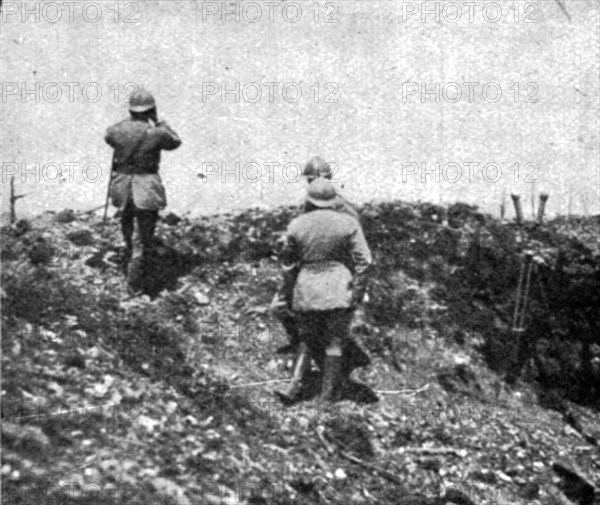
{"points": [[170, 399]]}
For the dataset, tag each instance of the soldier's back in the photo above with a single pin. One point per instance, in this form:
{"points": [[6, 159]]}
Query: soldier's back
{"points": [[322, 235]]}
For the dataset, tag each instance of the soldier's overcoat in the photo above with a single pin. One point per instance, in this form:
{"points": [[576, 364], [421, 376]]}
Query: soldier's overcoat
{"points": [[137, 145], [324, 255]]}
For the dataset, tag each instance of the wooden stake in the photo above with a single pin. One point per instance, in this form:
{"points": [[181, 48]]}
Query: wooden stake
{"points": [[533, 201], [503, 204], [13, 199], [584, 202], [542, 207], [518, 209]]}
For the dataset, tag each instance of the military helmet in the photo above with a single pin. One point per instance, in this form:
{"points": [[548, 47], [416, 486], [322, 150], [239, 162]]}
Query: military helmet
{"points": [[317, 167], [322, 194], [141, 101]]}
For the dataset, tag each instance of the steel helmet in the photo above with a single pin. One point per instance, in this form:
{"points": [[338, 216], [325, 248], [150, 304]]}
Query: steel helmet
{"points": [[322, 194], [317, 167], [141, 101]]}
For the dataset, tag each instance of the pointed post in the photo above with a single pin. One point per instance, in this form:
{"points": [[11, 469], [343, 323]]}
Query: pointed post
{"points": [[518, 209], [13, 199], [542, 207], [584, 202], [503, 204]]}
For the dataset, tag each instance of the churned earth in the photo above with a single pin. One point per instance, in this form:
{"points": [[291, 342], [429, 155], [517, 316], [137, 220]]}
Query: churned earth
{"points": [[112, 399]]}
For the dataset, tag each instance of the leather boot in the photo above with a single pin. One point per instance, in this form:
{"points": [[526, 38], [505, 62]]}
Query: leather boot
{"points": [[300, 367], [331, 377], [125, 257], [135, 274], [288, 321], [354, 357]]}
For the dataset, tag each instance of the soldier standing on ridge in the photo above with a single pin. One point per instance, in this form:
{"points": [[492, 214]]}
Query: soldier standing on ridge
{"points": [[136, 187], [325, 258], [316, 169]]}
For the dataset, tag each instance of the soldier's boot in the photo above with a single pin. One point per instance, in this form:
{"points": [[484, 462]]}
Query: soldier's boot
{"points": [[301, 366], [288, 321], [353, 357], [126, 255], [332, 369], [136, 275], [127, 228]]}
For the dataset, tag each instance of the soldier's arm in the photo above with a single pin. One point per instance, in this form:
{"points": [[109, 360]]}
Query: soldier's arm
{"points": [[170, 140], [361, 254], [362, 259], [109, 136], [347, 207], [290, 259]]}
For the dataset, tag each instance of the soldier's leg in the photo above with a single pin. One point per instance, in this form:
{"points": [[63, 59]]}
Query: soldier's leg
{"points": [[303, 324], [146, 220], [336, 327], [353, 354], [127, 226], [139, 268], [281, 312], [301, 366], [288, 321], [146, 225]]}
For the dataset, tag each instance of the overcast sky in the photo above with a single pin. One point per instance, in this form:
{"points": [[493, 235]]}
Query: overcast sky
{"points": [[361, 105]]}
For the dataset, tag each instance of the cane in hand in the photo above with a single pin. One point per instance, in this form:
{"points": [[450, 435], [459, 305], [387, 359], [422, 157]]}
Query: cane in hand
{"points": [[110, 177]]}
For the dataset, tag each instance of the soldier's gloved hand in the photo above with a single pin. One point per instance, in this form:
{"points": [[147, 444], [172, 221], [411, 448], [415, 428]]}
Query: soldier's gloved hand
{"points": [[162, 122], [153, 115]]}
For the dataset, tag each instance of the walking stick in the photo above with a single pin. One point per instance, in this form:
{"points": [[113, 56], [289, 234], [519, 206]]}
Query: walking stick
{"points": [[108, 190]]}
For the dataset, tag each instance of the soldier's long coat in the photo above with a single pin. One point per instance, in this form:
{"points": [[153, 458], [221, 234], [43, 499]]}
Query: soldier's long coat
{"points": [[137, 144]]}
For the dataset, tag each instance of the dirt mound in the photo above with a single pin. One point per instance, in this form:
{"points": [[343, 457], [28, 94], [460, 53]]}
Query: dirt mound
{"points": [[171, 398]]}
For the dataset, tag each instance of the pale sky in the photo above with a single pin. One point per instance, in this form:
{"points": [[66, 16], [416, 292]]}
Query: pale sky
{"points": [[360, 120]]}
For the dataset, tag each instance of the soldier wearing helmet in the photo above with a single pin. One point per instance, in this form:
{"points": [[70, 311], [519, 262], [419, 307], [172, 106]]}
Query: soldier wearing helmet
{"points": [[325, 258], [136, 187], [317, 169]]}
